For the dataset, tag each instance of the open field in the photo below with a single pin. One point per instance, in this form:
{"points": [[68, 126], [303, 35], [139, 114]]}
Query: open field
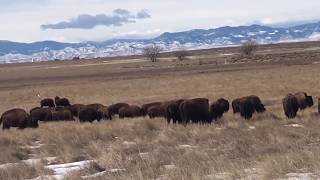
{"points": [[266, 147]]}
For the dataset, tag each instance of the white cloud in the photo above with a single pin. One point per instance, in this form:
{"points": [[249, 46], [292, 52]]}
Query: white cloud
{"points": [[20, 19]]}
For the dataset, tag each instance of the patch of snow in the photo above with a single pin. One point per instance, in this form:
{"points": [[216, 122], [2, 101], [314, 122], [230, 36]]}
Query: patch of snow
{"points": [[116, 170], [94, 175], [129, 143], [219, 176], [294, 125], [144, 155], [64, 169], [252, 127], [301, 176], [49, 177], [170, 166], [187, 146]]}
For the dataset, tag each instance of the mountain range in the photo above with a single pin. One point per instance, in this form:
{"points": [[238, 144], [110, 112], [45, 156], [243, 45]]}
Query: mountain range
{"points": [[13, 52]]}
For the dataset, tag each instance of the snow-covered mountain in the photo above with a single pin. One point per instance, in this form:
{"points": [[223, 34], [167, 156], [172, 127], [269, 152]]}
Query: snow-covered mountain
{"points": [[195, 39]]}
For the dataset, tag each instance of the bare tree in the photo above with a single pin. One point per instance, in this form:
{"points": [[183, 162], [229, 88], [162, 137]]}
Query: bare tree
{"points": [[152, 52], [182, 55], [249, 48]]}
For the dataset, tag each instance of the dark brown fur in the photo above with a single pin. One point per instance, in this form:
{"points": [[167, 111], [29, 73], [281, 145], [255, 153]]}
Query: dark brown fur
{"points": [[290, 105], [89, 115], [48, 102], [17, 118], [304, 100], [195, 110], [156, 111], [146, 106], [172, 111], [130, 112], [114, 108], [64, 102], [218, 108]]}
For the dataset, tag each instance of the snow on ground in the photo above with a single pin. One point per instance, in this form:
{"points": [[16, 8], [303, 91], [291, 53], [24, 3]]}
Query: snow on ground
{"points": [[64, 169], [294, 125]]}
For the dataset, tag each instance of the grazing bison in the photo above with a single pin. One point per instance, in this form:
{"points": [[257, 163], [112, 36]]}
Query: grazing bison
{"points": [[253, 100], [89, 115], [256, 103], [64, 102], [75, 109], [146, 106], [17, 118], [218, 108], [156, 111], [96, 106], [236, 105], [304, 100], [290, 105], [196, 110], [246, 108], [62, 115], [105, 113], [41, 114], [48, 102], [172, 111], [130, 112], [114, 108]]}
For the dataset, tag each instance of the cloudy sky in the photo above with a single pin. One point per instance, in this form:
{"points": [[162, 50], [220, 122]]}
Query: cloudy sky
{"points": [[96, 20]]}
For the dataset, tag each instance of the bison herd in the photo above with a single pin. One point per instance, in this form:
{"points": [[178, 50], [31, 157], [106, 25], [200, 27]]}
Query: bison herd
{"points": [[182, 111]]}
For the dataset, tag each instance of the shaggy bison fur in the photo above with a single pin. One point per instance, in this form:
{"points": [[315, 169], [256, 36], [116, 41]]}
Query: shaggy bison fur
{"points": [[130, 112], [290, 106], [48, 102], [195, 110], [17, 118]]}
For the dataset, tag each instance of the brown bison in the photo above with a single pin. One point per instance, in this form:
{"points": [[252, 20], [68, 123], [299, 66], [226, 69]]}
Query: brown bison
{"points": [[146, 106], [64, 102], [254, 100], [304, 100], [48, 102], [218, 108], [96, 106], [156, 111], [114, 108], [196, 110], [89, 115], [105, 113], [130, 112], [246, 108], [17, 118], [75, 109], [62, 115], [172, 111], [290, 105], [41, 114]]}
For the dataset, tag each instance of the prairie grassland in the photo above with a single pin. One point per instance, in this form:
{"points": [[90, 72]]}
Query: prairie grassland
{"points": [[263, 148]]}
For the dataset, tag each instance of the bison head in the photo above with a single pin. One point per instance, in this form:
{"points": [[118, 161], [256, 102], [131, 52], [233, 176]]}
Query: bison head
{"points": [[309, 101]]}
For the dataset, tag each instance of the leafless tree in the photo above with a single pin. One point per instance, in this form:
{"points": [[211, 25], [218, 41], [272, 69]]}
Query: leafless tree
{"points": [[249, 48], [182, 55], [152, 52]]}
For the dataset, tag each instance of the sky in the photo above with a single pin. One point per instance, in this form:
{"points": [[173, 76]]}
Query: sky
{"points": [[98, 20]]}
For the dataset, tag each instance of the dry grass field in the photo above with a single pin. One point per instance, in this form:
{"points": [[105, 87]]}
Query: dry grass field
{"points": [[267, 147]]}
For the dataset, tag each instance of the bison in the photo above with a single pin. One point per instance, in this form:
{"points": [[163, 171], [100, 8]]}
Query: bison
{"points": [[89, 115], [48, 102], [290, 105], [17, 118], [304, 100], [62, 114], [75, 109], [41, 114], [95, 106], [243, 102], [146, 106], [64, 102], [246, 108], [105, 112], [172, 111], [114, 108], [155, 111], [218, 108], [196, 110], [130, 112]]}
